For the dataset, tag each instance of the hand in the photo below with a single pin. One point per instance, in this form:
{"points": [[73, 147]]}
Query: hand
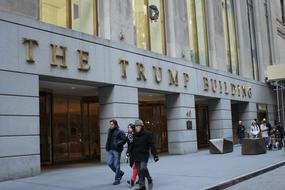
{"points": [[156, 158], [128, 155]]}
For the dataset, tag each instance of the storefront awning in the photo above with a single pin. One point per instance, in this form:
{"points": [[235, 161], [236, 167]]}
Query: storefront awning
{"points": [[276, 72]]}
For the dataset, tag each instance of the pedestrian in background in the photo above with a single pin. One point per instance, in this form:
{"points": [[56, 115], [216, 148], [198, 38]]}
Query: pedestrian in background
{"points": [[114, 146], [254, 129], [240, 132], [265, 132]]}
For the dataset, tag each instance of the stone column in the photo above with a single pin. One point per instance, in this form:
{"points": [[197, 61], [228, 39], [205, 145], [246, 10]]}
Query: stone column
{"points": [[180, 109], [247, 112], [19, 125], [220, 119], [120, 103]]}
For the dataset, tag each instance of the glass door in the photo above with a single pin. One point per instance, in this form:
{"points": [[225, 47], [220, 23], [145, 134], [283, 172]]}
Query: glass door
{"points": [[154, 118]]}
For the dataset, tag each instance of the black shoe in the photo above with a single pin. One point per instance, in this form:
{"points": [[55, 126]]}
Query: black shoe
{"points": [[117, 182], [131, 182], [138, 182], [150, 186], [141, 188], [121, 175]]}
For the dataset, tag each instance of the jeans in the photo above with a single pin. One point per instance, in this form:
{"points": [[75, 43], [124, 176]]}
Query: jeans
{"points": [[240, 140], [113, 160], [143, 173], [266, 140]]}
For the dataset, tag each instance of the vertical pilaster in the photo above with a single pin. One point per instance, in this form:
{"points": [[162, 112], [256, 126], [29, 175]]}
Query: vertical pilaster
{"points": [[119, 103], [220, 118], [247, 112], [180, 109]]}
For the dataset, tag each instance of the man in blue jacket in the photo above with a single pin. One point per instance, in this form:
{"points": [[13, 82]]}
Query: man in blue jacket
{"points": [[114, 146]]}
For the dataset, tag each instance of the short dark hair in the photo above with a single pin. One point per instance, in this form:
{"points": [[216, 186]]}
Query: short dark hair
{"points": [[114, 121]]}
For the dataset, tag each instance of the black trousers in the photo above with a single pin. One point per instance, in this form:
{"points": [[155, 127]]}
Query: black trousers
{"points": [[143, 173]]}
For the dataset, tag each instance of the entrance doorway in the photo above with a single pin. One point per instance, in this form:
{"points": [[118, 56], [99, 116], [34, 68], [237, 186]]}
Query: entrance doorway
{"points": [[202, 124], [152, 112], [69, 128]]}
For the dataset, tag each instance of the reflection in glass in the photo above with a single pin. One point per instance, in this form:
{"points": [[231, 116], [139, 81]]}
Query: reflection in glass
{"points": [[197, 31], [54, 12], [252, 35], [80, 15], [83, 16], [230, 37], [150, 34]]}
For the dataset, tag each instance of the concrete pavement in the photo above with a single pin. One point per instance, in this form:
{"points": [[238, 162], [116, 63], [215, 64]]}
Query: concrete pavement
{"points": [[193, 171], [273, 180]]}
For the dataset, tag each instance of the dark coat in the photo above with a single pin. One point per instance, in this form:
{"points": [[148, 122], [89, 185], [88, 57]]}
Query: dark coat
{"points": [[241, 131], [116, 140], [143, 144], [130, 146]]}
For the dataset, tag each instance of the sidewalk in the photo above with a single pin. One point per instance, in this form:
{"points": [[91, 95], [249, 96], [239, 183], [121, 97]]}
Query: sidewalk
{"points": [[193, 171]]}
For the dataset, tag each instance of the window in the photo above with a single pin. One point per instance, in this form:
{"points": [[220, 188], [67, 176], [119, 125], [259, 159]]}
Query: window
{"points": [[230, 37], [149, 31], [80, 15], [252, 35], [197, 31], [282, 10]]}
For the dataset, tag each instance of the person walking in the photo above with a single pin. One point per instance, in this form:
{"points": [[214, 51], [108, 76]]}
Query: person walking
{"points": [[130, 140], [265, 132], [281, 135], [240, 132], [143, 144], [254, 129], [114, 146]]}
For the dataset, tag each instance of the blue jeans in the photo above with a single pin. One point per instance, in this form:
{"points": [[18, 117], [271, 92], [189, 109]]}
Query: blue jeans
{"points": [[113, 160], [266, 140]]}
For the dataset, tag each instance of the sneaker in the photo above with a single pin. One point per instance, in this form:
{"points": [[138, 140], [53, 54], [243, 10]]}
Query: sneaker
{"points": [[131, 182], [117, 182], [150, 185]]}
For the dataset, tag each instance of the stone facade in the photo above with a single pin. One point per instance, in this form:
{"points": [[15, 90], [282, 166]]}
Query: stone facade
{"points": [[181, 81]]}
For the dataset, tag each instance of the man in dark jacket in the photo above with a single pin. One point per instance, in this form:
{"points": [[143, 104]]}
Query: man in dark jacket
{"points": [[142, 145], [240, 132], [114, 146]]}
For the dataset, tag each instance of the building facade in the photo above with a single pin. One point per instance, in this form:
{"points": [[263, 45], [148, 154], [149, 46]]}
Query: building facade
{"points": [[190, 69]]}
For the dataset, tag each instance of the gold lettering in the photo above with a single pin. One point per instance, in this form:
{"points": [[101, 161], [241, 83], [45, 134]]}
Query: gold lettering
{"points": [[31, 44], [238, 89], [55, 55], [173, 80], [243, 91], [233, 89], [214, 85], [206, 83], [140, 71], [123, 64], [186, 79], [83, 60], [221, 87], [157, 74], [226, 88], [249, 92]]}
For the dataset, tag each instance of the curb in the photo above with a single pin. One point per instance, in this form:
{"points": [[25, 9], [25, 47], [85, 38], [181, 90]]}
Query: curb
{"points": [[244, 177]]}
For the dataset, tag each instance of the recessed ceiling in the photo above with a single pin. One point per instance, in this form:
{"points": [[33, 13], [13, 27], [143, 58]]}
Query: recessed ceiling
{"points": [[68, 88]]}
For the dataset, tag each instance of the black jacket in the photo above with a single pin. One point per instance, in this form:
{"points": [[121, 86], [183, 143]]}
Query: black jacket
{"points": [[116, 140], [142, 145], [130, 141], [241, 131]]}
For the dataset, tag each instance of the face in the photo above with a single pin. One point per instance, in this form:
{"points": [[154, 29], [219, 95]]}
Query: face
{"points": [[138, 129], [130, 129], [111, 125]]}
